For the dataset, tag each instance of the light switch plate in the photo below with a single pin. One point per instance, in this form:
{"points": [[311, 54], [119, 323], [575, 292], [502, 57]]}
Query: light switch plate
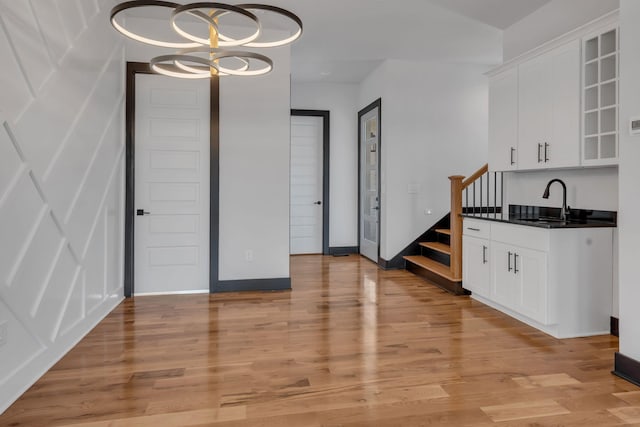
{"points": [[634, 126]]}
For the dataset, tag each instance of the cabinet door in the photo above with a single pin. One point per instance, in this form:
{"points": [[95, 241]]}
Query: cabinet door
{"points": [[534, 113], [563, 149], [530, 290], [503, 279], [475, 262], [549, 109], [503, 120]]}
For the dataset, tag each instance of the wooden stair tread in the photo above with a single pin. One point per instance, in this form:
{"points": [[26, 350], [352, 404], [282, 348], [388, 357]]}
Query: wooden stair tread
{"points": [[437, 246], [433, 266], [443, 231]]}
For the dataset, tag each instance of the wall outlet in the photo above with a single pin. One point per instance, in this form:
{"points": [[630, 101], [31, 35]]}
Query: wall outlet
{"points": [[4, 332], [249, 255]]}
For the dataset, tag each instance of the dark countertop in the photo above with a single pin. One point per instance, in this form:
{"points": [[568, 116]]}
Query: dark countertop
{"points": [[544, 217]]}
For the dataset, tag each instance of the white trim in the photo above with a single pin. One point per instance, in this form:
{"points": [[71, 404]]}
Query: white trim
{"points": [[608, 19], [151, 294]]}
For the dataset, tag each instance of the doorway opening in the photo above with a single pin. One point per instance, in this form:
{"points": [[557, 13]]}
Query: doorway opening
{"points": [[369, 202], [309, 182]]}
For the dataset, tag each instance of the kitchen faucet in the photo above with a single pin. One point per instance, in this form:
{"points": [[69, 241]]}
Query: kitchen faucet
{"points": [[564, 214]]}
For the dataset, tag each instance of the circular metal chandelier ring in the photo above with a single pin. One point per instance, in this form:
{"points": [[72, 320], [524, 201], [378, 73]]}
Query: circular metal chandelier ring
{"points": [[158, 64], [274, 9], [221, 9], [205, 69], [146, 3], [243, 54]]}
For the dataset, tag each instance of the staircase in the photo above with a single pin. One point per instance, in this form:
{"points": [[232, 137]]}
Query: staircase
{"points": [[440, 258]]}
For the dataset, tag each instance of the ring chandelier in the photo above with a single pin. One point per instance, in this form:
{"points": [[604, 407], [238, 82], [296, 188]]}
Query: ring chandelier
{"points": [[199, 57]]}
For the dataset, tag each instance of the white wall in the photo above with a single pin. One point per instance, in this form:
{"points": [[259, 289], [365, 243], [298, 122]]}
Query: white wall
{"points": [[592, 188], [255, 140], [550, 21], [628, 224], [61, 181], [434, 124], [340, 101], [254, 163]]}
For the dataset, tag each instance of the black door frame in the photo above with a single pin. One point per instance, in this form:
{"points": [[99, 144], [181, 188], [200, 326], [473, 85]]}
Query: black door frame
{"points": [[215, 285], [375, 104], [326, 141], [134, 68]]}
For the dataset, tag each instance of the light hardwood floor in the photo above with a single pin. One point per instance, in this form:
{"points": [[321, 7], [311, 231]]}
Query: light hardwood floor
{"points": [[351, 345]]}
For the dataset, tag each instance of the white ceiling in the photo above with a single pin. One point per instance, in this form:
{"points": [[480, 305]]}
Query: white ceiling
{"points": [[497, 13], [344, 40]]}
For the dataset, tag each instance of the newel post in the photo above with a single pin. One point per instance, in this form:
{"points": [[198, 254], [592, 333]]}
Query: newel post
{"points": [[456, 225]]}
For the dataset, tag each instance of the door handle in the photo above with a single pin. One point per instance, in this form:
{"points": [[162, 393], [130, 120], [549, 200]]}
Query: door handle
{"points": [[546, 154], [142, 212], [318, 202], [515, 263], [377, 208], [509, 261], [512, 151], [484, 254], [539, 156]]}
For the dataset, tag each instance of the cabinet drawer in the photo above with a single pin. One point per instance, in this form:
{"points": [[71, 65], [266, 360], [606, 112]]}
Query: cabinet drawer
{"points": [[521, 235], [476, 228]]}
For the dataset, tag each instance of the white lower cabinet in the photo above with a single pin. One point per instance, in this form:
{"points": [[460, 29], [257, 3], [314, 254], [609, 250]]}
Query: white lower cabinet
{"points": [[476, 269], [520, 280], [556, 280]]}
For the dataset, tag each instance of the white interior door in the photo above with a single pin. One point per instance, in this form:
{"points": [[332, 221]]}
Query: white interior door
{"points": [[171, 185], [306, 185], [369, 181]]}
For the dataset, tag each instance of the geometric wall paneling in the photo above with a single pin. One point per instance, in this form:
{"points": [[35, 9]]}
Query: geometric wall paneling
{"points": [[89, 9], [56, 107], [20, 216], [16, 95], [76, 153], [10, 163], [74, 310], [35, 268], [94, 263], [57, 292], [83, 216], [114, 206], [13, 357], [72, 18], [50, 22], [61, 181], [26, 40]]}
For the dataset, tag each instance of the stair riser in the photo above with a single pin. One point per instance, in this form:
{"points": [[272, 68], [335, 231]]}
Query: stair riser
{"points": [[436, 256], [451, 287]]}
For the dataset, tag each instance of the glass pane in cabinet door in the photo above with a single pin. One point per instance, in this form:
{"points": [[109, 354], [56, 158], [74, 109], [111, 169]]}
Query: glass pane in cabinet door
{"points": [[608, 147], [591, 148], [608, 94], [591, 99], [591, 49], [591, 123], [608, 68], [608, 120], [608, 43]]}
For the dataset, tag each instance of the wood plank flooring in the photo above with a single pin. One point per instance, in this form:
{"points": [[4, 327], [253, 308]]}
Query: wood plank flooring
{"points": [[351, 345]]}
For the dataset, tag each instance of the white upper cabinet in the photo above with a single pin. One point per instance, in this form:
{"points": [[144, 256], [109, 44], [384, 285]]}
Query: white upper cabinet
{"points": [[600, 97], [534, 112], [503, 120], [556, 106]]}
